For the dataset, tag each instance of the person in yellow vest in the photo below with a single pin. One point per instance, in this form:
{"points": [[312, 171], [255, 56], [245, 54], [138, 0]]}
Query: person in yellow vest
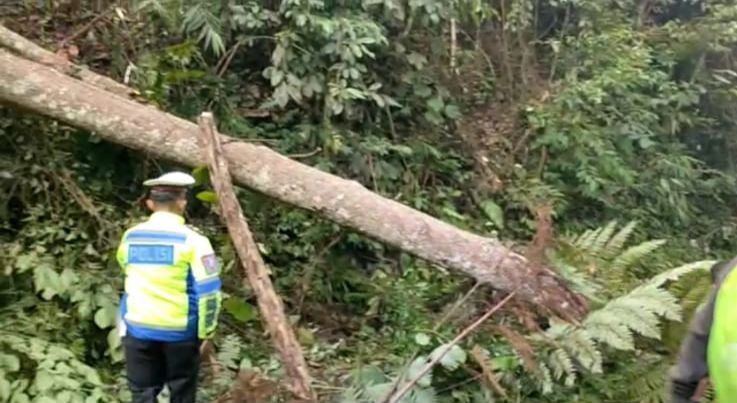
{"points": [[710, 347], [172, 295]]}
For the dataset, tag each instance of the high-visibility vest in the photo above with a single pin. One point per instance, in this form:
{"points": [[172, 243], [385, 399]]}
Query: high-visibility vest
{"points": [[722, 349], [172, 283]]}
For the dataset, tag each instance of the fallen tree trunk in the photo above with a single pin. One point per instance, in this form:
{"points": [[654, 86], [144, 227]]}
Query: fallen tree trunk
{"points": [[49, 92], [29, 50], [269, 303]]}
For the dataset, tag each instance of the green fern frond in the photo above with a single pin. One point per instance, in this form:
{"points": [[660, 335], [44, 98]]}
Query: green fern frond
{"points": [[616, 243], [675, 274], [637, 312], [200, 20], [229, 353], [544, 379], [582, 347], [578, 281], [562, 366], [635, 253], [639, 315], [602, 239], [696, 295], [586, 240], [608, 328]]}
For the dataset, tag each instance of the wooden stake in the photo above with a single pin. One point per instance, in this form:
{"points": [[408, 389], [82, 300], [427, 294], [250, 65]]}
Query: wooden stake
{"points": [[269, 303]]}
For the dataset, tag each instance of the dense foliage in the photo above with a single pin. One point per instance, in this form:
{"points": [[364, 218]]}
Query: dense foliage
{"points": [[595, 135]]}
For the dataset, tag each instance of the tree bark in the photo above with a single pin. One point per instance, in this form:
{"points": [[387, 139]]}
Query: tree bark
{"points": [[29, 50], [272, 309], [49, 92]]}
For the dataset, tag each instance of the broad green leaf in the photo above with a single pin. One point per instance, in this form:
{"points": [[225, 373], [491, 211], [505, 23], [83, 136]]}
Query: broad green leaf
{"points": [[105, 316], [421, 395], [417, 60], [452, 112], [240, 309], [369, 375], [9, 363], [504, 363], [68, 278], [25, 262], [452, 359], [46, 281], [378, 391], [423, 91], [276, 77], [422, 339], [414, 369], [20, 397], [494, 213], [207, 196], [4, 387], [64, 397], [435, 104], [201, 175], [114, 343], [451, 212], [93, 377], [44, 381]]}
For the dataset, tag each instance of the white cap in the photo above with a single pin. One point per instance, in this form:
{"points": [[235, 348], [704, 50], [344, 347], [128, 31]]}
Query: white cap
{"points": [[179, 179]]}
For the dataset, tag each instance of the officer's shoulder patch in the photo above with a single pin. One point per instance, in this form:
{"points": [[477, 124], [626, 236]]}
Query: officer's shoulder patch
{"points": [[210, 262]]}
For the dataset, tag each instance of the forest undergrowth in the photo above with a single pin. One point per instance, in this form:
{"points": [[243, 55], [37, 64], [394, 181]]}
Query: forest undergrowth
{"points": [[591, 136]]}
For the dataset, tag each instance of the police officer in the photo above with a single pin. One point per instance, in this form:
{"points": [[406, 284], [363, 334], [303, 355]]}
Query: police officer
{"points": [[172, 295], [709, 348]]}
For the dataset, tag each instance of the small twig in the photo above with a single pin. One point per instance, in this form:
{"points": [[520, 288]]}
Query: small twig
{"points": [[223, 67], [372, 172], [434, 360], [473, 378], [238, 140], [128, 70], [392, 130], [305, 155], [453, 45]]}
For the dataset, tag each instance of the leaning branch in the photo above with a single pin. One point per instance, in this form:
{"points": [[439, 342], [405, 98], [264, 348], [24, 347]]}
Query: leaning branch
{"points": [[396, 397], [272, 309], [82, 103]]}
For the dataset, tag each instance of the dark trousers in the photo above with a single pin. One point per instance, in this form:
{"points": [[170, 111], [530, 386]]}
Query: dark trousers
{"points": [[152, 364]]}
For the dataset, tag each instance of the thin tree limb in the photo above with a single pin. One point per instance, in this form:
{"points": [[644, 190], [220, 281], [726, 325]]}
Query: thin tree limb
{"points": [[269, 303], [434, 360]]}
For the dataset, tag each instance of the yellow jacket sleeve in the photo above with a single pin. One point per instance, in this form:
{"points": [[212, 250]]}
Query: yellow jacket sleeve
{"points": [[207, 284], [122, 254]]}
